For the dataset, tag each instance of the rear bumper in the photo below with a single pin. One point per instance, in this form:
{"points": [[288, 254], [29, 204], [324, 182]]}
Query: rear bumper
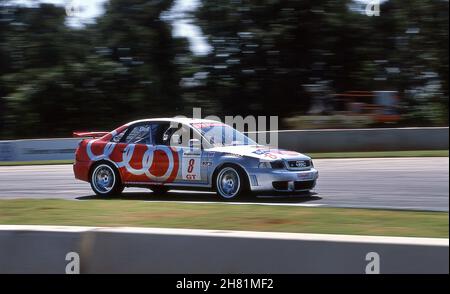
{"points": [[81, 170], [282, 180]]}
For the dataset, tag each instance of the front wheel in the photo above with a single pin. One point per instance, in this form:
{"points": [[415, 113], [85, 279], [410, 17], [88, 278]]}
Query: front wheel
{"points": [[105, 180], [231, 183]]}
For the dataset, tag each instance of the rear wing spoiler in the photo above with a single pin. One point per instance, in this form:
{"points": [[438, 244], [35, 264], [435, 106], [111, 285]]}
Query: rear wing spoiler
{"points": [[89, 134]]}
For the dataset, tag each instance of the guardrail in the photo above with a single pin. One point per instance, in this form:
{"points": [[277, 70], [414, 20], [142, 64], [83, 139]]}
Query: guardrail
{"points": [[46, 249], [38, 149], [360, 140], [299, 140]]}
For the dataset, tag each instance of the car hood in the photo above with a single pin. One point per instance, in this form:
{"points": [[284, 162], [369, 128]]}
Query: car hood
{"points": [[260, 152]]}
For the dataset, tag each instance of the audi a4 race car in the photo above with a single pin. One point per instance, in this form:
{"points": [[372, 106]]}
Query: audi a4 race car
{"points": [[175, 153]]}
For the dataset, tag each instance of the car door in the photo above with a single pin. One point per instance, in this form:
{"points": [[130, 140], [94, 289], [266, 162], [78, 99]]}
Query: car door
{"points": [[137, 151], [182, 138]]}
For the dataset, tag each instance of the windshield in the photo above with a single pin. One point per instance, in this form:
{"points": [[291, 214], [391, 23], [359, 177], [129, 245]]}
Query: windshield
{"points": [[219, 134]]}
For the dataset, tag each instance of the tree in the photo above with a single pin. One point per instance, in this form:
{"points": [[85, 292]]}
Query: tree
{"points": [[267, 52], [57, 79]]}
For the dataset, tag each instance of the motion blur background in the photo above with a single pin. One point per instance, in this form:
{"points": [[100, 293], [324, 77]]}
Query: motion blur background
{"points": [[86, 65]]}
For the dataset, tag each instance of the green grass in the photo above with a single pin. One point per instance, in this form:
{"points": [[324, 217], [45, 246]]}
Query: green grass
{"points": [[116, 212], [419, 153], [38, 162]]}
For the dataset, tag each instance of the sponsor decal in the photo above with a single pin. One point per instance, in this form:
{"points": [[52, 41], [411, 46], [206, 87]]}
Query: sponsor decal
{"points": [[260, 151], [204, 125], [274, 153], [191, 167], [208, 154], [159, 164], [156, 166], [206, 163], [267, 153], [284, 152]]}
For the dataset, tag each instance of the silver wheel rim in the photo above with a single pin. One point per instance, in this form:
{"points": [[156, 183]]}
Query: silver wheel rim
{"points": [[228, 183], [103, 178]]}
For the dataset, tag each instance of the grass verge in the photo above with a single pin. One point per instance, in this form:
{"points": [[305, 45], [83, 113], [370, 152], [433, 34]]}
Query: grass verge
{"points": [[224, 217], [38, 162]]}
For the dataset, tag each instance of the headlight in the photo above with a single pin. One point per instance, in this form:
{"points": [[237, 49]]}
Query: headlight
{"points": [[264, 164], [278, 164], [312, 163]]}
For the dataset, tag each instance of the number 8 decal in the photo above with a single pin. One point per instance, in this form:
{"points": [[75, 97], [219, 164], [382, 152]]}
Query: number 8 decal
{"points": [[191, 165]]}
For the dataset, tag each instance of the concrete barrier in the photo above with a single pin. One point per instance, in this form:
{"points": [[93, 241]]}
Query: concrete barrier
{"points": [[305, 141], [41, 249], [360, 140], [38, 149], [34, 249]]}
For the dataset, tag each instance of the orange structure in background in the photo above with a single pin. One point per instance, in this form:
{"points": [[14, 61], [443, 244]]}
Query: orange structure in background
{"points": [[382, 106]]}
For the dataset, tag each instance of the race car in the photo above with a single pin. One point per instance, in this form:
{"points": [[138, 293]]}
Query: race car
{"points": [[181, 153]]}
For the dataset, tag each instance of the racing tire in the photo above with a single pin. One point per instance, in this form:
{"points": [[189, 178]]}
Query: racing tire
{"points": [[159, 189], [105, 180], [231, 183]]}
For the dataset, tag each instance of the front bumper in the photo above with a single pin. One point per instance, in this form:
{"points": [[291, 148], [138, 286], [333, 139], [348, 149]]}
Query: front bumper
{"points": [[282, 180]]}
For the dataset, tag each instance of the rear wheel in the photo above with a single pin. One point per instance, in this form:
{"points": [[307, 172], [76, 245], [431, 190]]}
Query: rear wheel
{"points": [[105, 180], [231, 183]]}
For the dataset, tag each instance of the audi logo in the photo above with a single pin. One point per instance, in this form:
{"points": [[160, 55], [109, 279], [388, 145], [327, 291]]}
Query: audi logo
{"points": [[300, 163]]}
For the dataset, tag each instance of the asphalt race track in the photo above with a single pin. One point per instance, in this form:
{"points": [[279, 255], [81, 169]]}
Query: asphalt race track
{"points": [[391, 183]]}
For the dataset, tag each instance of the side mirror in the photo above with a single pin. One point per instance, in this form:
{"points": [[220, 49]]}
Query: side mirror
{"points": [[195, 144]]}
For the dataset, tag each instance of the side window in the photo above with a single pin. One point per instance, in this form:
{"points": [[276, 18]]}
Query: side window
{"points": [[154, 133], [172, 135], [181, 137], [163, 135], [139, 135], [167, 137], [157, 131], [118, 137]]}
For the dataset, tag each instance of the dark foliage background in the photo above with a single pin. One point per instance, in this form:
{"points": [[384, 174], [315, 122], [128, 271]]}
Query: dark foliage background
{"points": [[55, 79]]}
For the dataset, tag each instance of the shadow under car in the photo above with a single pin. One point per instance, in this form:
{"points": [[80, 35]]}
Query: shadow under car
{"points": [[194, 196]]}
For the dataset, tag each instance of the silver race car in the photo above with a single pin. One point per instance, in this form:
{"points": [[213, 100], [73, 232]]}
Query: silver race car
{"points": [[175, 153]]}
